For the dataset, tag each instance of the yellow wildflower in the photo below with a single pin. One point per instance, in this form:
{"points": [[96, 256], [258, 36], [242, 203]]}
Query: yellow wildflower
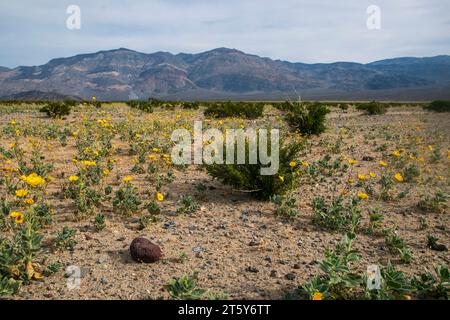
{"points": [[317, 296], [127, 179], [18, 217], [33, 180], [88, 163], [21, 193], [159, 196], [292, 164], [372, 174], [398, 176], [352, 161], [73, 178], [361, 176], [363, 195], [383, 164]]}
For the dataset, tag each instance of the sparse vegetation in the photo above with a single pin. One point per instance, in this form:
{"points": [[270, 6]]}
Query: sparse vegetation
{"points": [[308, 119], [439, 106], [380, 186]]}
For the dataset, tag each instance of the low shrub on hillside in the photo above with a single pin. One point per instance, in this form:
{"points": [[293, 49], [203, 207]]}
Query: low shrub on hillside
{"points": [[234, 109], [308, 119], [57, 109], [373, 107], [439, 106]]}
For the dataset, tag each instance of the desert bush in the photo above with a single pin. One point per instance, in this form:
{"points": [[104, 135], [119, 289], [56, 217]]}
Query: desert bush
{"points": [[18, 253], [437, 203], [373, 107], [126, 200], [338, 281], [436, 286], [185, 288], [194, 105], [56, 109], [337, 214], [234, 109], [64, 238], [146, 106], [308, 119], [285, 205], [376, 222], [188, 204], [99, 222], [439, 106], [397, 245], [247, 178], [411, 173]]}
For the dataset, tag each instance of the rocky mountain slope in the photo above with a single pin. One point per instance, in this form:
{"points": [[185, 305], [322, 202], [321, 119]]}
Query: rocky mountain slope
{"points": [[228, 74]]}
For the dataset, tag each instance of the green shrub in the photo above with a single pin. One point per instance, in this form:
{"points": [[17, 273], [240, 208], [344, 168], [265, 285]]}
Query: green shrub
{"points": [[439, 106], [194, 105], [188, 204], [64, 238], [411, 173], [336, 215], [99, 222], [338, 280], [126, 200], [373, 107], [146, 106], [96, 104], [8, 286], [308, 119], [185, 288], [285, 205], [235, 109], [437, 203], [436, 285], [56, 109], [397, 245], [246, 177]]}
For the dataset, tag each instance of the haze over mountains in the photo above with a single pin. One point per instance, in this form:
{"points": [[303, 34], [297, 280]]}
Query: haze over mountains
{"points": [[223, 73]]}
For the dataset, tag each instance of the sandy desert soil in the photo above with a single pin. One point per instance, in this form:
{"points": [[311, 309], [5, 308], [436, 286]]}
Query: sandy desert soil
{"points": [[238, 245]]}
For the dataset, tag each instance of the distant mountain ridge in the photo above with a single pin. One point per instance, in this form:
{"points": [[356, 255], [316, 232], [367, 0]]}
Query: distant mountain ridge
{"points": [[223, 73], [40, 96]]}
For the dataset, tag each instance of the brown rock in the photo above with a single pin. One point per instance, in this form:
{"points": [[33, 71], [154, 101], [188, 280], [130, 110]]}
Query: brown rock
{"points": [[143, 250]]}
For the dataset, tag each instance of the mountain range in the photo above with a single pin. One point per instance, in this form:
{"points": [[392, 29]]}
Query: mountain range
{"points": [[223, 73]]}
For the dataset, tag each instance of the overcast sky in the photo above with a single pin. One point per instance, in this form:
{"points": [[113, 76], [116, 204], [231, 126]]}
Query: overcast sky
{"points": [[34, 31]]}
